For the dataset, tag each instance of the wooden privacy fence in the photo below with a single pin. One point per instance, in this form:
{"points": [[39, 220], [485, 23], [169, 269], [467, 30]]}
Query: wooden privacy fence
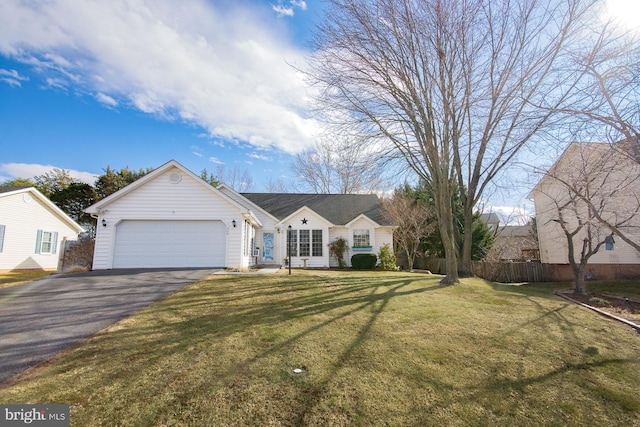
{"points": [[503, 272]]}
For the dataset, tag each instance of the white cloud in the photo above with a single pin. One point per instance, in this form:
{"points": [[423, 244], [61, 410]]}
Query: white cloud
{"points": [[30, 170], [259, 156], [12, 77], [225, 70], [282, 10], [299, 3], [106, 100], [216, 161]]}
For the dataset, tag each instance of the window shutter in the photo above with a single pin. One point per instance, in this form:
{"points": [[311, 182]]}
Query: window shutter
{"points": [[39, 241], [2, 227], [54, 243]]}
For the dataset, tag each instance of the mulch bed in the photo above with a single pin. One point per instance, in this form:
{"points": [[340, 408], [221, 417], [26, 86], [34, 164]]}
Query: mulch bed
{"points": [[623, 307]]}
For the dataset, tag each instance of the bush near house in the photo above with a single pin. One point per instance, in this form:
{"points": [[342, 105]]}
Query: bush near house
{"points": [[387, 258], [364, 261]]}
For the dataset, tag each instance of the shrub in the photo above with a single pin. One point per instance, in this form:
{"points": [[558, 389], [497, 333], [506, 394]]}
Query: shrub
{"points": [[387, 258], [337, 248], [364, 261]]}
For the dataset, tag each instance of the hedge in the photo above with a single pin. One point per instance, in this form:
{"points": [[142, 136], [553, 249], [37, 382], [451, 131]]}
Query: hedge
{"points": [[364, 261]]}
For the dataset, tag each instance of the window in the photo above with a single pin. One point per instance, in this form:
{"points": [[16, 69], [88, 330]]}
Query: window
{"points": [[309, 243], [316, 246], [608, 243], [46, 242], [293, 243], [249, 238], [305, 243], [361, 239], [2, 228]]}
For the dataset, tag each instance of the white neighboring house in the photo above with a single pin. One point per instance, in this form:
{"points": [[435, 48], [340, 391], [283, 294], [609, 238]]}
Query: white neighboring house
{"points": [[32, 230], [612, 180], [172, 218]]}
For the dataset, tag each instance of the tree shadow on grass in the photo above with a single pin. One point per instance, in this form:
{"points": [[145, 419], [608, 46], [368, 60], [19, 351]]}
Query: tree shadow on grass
{"points": [[223, 307]]}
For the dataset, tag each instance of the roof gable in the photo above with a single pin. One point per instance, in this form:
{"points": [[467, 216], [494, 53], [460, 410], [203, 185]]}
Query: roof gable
{"points": [[338, 209], [6, 191], [97, 207]]}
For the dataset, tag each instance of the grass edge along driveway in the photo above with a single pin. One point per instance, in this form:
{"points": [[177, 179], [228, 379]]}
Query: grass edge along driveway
{"points": [[372, 349]]}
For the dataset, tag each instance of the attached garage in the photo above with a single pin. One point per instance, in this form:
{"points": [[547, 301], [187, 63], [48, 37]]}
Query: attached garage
{"points": [[169, 243]]}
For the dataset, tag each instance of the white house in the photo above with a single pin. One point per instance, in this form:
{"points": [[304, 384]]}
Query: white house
{"points": [[172, 218], [609, 176], [32, 230]]}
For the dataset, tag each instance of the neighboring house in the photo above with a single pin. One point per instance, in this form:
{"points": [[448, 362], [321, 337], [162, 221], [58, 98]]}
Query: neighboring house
{"points": [[610, 176], [172, 218], [514, 243], [32, 230], [491, 219]]}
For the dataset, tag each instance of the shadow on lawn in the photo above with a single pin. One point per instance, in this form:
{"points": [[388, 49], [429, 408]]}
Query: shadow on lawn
{"points": [[232, 306], [235, 306]]}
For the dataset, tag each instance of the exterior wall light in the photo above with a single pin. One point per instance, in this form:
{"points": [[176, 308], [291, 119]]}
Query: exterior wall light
{"points": [[233, 223], [104, 222]]}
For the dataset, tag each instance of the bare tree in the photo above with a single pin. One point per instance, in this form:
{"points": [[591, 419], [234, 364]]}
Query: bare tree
{"points": [[606, 105], [593, 195], [453, 85], [239, 180], [415, 221], [277, 186], [339, 164], [315, 168]]}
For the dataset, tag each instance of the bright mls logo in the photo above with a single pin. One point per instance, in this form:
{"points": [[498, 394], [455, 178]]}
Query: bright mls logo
{"points": [[34, 415]]}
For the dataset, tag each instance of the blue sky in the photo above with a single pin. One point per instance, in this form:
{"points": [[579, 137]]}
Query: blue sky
{"points": [[85, 85]]}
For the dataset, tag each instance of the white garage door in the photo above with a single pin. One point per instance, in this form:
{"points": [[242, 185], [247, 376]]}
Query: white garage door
{"points": [[148, 244]]}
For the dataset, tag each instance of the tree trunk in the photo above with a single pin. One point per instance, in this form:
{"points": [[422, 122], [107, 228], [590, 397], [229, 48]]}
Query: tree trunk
{"points": [[579, 283], [446, 226], [465, 268]]}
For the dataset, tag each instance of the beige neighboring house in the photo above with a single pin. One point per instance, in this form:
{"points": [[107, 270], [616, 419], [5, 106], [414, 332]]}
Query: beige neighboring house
{"points": [[610, 176], [172, 218], [514, 243], [32, 230]]}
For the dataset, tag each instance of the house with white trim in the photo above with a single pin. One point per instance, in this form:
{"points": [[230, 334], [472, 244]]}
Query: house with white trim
{"points": [[32, 230], [609, 175], [171, 218]]}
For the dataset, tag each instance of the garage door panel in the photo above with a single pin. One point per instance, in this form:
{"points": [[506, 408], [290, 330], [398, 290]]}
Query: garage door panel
{"points": [[141, 244]]}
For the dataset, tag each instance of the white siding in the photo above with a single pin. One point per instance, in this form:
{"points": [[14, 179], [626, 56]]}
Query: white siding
{"points": [[378, 237], [23, 217], [314, 222], [162, 199]]}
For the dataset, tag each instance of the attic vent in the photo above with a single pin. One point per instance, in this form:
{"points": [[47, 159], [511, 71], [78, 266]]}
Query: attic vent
{"points": [[175, 178], [26, 197]]}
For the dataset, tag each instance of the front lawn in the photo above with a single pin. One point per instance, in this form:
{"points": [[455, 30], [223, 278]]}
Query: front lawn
{"points": [[371, 349], [14, 278]]}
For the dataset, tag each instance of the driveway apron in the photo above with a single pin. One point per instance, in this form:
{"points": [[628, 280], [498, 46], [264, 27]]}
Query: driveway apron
{"points": [[42, 318]]}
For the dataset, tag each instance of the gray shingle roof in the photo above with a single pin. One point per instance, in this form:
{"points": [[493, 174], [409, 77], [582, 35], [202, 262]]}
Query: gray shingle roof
{"points": [[338, 209], [8, 188]]}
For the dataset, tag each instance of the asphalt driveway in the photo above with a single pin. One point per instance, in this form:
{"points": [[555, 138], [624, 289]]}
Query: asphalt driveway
{"points": [[41, 318]]}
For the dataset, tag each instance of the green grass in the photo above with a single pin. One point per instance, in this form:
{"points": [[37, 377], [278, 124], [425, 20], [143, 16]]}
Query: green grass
{"points": [[375, 349], [13, 278]]}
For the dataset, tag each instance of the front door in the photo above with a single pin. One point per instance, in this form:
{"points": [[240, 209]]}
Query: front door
{"points": [[268, 243]]}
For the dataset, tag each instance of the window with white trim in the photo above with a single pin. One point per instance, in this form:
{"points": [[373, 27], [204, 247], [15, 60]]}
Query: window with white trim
{"points": [[305, 243], [2, 229], [46, 242], [361, 239], [293, 242], [609, 243], [316, 243]]}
